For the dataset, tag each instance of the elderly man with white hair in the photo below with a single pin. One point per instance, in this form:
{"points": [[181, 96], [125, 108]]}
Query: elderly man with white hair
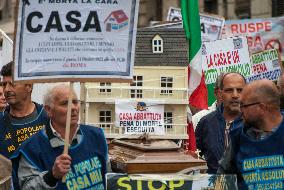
{"points": [[40, 162]]}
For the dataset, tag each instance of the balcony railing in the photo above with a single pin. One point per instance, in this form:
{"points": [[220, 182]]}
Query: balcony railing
{"points": [[93, 94]]}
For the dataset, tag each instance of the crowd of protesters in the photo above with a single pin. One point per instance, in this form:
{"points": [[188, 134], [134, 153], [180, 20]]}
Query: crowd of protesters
{"points": [[244, 127]]}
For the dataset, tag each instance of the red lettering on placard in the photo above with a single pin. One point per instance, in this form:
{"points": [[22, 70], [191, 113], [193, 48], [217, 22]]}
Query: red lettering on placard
{"points": [[259, 68], [251, 27]]}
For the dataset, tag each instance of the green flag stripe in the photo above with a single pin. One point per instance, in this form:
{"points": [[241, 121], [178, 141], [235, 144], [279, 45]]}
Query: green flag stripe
{"points": [[191, 21]]}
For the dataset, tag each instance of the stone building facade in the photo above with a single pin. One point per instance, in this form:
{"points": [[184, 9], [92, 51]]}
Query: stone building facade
{"points": [[156, 10]]}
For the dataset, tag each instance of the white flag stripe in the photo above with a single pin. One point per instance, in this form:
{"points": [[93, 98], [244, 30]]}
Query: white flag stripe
{"points": [[195, 72]]}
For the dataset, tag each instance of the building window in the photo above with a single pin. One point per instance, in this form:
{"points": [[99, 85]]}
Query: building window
{"points": [[166, 85], [157, 44], [211, 6], [105, 118], [168, 120], [105, 90], [242, 9], [277, 8], [137, 82]]}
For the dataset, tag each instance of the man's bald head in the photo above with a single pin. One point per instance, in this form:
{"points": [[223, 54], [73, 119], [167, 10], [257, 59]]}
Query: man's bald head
{"points": [[263, 91], [230, 75], [261, 105]]}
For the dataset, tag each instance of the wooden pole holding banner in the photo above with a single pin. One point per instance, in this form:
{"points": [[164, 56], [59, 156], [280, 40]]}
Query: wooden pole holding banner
{"points": [[67, 127], [6, 36]]}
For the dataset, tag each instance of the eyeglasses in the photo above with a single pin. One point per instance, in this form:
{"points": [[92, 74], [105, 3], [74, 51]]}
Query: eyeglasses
{"points": [[247, 105]]}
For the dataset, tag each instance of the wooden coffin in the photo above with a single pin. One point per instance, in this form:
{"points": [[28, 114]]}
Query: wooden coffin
{"points": [[156, 156]]}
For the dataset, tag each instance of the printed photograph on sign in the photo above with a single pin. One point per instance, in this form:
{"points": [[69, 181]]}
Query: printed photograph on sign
{"points": [[174, 14], [75, 40], [140, 117], [211, 25]]}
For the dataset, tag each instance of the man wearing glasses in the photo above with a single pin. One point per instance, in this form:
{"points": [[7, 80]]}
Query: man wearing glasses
{"points": [[213, 129], [256, 149], [22, 117]]}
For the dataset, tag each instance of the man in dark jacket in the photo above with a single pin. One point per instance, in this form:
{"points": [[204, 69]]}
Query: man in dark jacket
{"points": [[212, 131]]}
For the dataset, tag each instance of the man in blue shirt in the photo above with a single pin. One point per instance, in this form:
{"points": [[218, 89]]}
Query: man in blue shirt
{"points": [[22, 117]]}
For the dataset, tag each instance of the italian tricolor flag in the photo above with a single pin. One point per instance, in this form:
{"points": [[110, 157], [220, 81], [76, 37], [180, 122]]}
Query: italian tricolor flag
{"points": [[197, 90]]}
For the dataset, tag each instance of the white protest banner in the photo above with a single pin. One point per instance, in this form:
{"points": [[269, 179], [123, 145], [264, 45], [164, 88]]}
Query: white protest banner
{"points": [[39, 89], [6, 56], [75, 40], [227, 55], [211, 25], [265, 65], [140, 117], [262, 34]]}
